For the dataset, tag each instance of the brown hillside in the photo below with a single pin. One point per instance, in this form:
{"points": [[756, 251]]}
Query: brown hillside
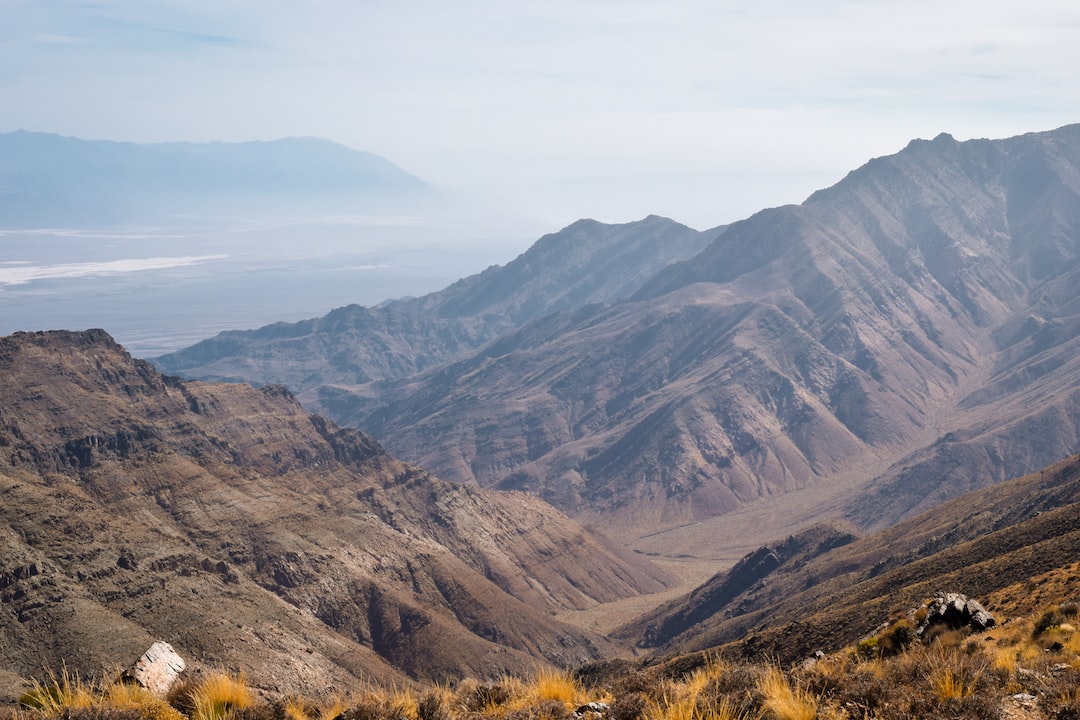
{"points": [[823, 595], [249, 534]]}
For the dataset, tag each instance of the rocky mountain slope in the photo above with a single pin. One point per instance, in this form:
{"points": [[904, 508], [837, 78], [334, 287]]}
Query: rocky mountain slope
{"points": [[824, 588], [587, 262], [247, 533], [915, 323], [52, 181]]}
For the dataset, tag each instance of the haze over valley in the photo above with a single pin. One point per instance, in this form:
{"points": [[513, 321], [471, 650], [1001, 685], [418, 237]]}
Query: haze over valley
{"points": [[867, 337], [171, 243]]}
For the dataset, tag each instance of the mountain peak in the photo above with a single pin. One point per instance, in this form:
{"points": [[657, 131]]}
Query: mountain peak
{"points": [[794, 346]]}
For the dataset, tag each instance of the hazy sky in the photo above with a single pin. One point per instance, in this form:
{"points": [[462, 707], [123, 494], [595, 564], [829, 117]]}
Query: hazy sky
{"points": [[701, 111]]}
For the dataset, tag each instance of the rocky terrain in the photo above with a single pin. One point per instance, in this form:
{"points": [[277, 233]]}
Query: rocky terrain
{"points": [[820, 624], [897, 339], [248, 533], [837, 393]]}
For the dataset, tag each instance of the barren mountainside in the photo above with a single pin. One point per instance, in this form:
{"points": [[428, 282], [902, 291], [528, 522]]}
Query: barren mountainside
{"points": [[848, 393], [913, 327], [229, 522], [825, 588]]}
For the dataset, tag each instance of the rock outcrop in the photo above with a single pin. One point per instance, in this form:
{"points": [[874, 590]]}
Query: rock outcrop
{"points": [[955, 611]]}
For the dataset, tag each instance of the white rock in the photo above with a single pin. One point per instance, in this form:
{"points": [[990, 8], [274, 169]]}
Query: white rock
{"points": [[158, 669]]}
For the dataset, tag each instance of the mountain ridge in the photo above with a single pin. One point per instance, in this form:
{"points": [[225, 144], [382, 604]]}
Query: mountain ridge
{"points": [[849, 327], [401, 337], [50, 180], [824, 588], [903, 318]]}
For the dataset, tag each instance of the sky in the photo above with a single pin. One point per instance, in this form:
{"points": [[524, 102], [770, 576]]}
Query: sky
{"points": [[700, 111]]}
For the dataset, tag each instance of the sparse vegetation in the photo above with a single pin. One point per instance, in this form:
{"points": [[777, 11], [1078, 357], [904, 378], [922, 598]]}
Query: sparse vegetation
{"points": [[69, 696], [1028, 667], [58, 693], [784, 699]]}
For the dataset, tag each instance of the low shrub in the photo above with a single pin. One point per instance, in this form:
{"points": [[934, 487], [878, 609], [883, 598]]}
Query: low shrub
{"points": [[896, 639], [58, 694], [1050, 618], [217, 697]]}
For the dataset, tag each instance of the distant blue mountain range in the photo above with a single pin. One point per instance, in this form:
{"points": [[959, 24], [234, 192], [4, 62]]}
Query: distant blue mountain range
{"points": [[55, 181]]}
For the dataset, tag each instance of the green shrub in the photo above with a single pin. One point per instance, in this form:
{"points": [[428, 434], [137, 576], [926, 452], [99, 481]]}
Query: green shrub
{"points": [[867, 647]]}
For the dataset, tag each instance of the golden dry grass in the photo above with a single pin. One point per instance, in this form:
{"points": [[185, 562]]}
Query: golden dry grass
{"points": [[784, 699], [126, 696], [66, 691], [219, 695], [956, 675], [552, 685]]}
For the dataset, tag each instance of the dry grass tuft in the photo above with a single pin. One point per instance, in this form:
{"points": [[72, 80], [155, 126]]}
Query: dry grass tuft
{"points": [[948, 685], [127, 696], [785, 700], [552, 685], [218, 696], [52, 697], [70, 697]]}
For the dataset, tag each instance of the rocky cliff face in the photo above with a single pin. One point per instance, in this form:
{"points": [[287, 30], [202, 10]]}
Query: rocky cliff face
{"points": [[231, 523], [930, 292]]}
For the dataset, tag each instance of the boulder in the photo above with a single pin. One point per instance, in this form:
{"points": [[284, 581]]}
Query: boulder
{"points": [[158, 669], [955, 611]]}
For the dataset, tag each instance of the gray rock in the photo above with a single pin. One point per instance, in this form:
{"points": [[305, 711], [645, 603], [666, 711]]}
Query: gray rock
{"points": [[956, 611], [1024, 700]]}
